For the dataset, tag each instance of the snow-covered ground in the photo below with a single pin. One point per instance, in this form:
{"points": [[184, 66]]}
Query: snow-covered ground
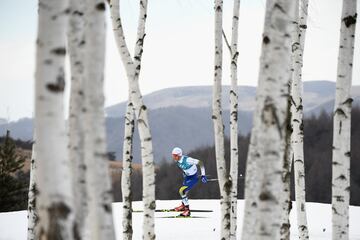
{"points": [[13, 225]]}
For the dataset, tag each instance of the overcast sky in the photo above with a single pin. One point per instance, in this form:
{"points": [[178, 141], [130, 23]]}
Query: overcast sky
{"points": [[178, 48]]}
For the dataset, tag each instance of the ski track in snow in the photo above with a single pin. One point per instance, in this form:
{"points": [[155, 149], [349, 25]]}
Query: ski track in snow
{"points": [[13, 225]]}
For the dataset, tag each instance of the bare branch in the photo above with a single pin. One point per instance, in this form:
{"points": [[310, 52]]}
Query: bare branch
{"points": [[226, 41]]}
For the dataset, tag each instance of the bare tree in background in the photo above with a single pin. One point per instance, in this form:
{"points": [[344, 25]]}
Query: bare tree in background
{"points": [[76, 131], [224, 181], [54, 205], [342, 124], [286, 203], [132, 68], [32, 196], [127, 171], [296, 108], [234, 146], [268, 144], [98, 178], [252, 183]]}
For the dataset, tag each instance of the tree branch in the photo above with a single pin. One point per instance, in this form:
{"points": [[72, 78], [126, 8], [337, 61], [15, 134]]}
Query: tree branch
{"points": [[226, 41]]}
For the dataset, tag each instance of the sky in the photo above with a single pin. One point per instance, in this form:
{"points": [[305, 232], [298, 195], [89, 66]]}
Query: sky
{"points": [[178, 49]]}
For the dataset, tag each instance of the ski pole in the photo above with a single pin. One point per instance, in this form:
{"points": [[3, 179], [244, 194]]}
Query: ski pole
{"points": [[212, 179], [207, 175]]}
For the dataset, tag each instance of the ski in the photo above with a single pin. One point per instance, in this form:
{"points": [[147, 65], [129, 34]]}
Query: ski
{"points": [[178, 216], [173, 210]]}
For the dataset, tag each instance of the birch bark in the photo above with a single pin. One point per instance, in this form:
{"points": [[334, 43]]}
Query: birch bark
{"points": [[234, 158], [76, 44], [269, 133], [342, 124], [55, 207], [297, 135], [98, 178], [287, 166], [224, 181], [286, 203], [252, 183], [33, 192], [132, 68], [126, 172]]}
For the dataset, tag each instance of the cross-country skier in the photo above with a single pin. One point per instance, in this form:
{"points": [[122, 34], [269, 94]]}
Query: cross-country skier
{"points": [[189, 168]]}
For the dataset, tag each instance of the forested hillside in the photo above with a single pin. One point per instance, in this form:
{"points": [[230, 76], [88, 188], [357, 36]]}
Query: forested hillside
{"points": [[186, 110], [318, 150]]}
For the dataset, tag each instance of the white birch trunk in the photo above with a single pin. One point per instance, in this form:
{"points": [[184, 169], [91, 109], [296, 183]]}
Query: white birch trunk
{"points": [[252, 184], [147, 164], [144, 132], [297, 136], [234, 146], [288, 161], [224, 181], [132, 67], [54, 205], [76, 44], [126, 172], [286, 203], [269, 134], [342, 124], [98, 178], [33, 192]]}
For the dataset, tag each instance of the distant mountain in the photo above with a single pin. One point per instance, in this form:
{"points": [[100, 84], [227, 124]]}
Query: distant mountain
{"points": [[316, 95], [22, 129], [181, 116], [328, 106], [189, 97], [320, 96], [188, 128], [3, 121]]}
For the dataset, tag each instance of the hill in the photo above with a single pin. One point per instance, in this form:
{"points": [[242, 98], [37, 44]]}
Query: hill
{"points": [[181, 116], [316, 94]]}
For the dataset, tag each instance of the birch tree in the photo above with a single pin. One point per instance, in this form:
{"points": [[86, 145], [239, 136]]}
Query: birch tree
{"points": [[286, 203], [32, 213], [297, 135], [224, 181], [268, 141], [342, 124], [76, 45], [252, 183], [132, 68], [127, 171], [54, 205], [234, 156], [98, 178]]}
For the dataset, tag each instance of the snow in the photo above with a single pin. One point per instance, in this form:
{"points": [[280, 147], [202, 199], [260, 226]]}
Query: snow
{"points": [[13, 225]]}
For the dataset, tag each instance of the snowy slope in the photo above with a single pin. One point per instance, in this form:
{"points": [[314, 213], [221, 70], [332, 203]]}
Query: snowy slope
{"points": [[13, 225]]}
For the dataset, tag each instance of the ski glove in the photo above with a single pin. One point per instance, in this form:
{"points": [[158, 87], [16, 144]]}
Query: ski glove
{"points": [[203, 179]]}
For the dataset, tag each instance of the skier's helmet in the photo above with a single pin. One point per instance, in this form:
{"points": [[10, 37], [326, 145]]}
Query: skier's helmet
{"points": [[176, 151]]}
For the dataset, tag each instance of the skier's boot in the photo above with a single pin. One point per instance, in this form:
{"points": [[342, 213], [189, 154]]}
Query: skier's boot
{"points": [[186, 212], [180, 208]]}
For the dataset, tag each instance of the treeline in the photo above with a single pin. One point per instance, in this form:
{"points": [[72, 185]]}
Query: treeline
{"points": [[13, 181], [317, 150], [27, 145], [318, 158]]}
